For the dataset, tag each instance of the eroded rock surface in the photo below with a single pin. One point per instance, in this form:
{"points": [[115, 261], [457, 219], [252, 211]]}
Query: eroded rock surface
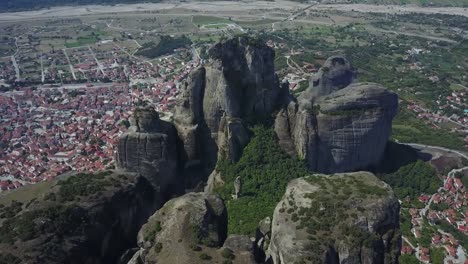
{"points": [[336, 128], [335, 74], [238, 83], [150, 149], [341, 218], [191, 229]]}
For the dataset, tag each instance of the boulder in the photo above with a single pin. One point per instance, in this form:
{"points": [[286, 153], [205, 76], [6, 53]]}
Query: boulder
{"points": [[241, 248], [340, 218], [191, 229]]}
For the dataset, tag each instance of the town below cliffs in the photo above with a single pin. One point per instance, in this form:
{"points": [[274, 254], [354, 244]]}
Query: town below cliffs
{"points": [[243, 172]]}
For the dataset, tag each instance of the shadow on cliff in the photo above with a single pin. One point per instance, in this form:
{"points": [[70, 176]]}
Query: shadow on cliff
{"points": [[398, 155]]}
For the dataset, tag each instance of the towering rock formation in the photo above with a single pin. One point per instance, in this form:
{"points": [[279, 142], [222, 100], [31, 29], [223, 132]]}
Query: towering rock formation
{"points": [[343, 218], [237, 84], [150, 149], [337, 125]]}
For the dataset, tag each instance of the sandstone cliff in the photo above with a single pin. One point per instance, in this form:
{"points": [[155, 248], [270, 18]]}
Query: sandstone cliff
{"points": [[337, 125], [237, 84], [340, 218], [86, 218], [150, 149], [191, 229]]}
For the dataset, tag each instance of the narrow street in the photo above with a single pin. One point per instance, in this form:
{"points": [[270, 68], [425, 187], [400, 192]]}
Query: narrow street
{"points": [[17, 70], [97, 61], [69, 64]]}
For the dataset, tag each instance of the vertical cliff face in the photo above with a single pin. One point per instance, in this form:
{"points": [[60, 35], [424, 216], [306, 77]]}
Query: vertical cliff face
{"points": [[340, 218], [237, 84], [240, 82], [150, 149], [337, 126], [188, 115]]}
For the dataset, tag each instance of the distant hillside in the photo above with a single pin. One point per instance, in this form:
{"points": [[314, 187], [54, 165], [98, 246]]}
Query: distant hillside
{"points": [[23, 5]]}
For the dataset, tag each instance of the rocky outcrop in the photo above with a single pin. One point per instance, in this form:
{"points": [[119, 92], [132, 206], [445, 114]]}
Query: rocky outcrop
{"points": [[150, 149], [340, 218], [336, 125], [238, 84], [86, 218], [335, 74], [191, 229]]}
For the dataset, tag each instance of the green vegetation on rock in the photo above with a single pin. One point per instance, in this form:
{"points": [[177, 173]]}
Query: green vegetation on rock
{"points": [[56, 211], [83, 184], [265, 171], [324, 226], [60, 220]]}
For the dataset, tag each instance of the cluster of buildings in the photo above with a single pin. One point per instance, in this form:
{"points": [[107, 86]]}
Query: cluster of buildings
{"points": [[451, 109], [448, 205], [49, 130], [7, 70], [104, 61]]}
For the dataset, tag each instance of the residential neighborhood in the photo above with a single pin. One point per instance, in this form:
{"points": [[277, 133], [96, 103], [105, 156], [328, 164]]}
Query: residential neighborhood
{"points": [[51, 129], [434, 223]]}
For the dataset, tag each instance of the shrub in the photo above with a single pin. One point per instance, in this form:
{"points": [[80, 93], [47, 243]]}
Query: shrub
{"points": [[204, 256], [227, 253], [158, 247]]}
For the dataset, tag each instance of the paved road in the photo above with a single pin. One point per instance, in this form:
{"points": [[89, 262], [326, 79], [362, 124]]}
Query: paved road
{"points": [[101, 68], [450, 174], [422, 146]]}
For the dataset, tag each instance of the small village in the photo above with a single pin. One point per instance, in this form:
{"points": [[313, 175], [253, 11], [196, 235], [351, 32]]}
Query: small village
{"points": [[442, 117], [447, 206]]}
